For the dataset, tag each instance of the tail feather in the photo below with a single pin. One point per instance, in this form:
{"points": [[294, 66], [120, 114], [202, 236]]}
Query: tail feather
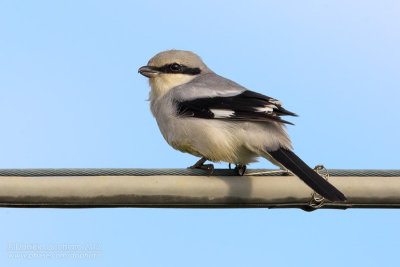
{"points": [[292, 162]]}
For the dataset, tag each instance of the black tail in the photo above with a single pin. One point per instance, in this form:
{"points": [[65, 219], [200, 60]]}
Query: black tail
{"points": [[291, 161]]}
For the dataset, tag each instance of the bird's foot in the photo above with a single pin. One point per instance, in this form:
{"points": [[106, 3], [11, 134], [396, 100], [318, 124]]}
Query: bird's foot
{"points": [[200, 165], [209, 167], [240, 169]]}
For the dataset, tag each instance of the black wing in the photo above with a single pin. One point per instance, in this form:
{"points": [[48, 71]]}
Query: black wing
{"points": [[246, 106]]}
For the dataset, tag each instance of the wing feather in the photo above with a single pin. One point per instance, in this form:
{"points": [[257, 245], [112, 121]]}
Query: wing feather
{"points": [[244, 106]]}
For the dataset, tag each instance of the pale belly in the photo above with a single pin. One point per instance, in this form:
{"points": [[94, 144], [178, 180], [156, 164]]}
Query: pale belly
{"points": [[216, 140]]}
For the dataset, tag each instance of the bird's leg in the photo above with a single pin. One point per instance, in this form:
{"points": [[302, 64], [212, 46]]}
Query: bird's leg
{"points": [[240, 169], [200, 165]]}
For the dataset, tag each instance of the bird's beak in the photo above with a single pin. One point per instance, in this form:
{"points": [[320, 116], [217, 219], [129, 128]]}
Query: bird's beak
{"points": [[149, 71]]}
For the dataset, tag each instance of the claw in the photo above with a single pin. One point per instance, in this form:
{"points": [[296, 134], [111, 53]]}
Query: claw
{"points": [[240, 169], [200, 165]]}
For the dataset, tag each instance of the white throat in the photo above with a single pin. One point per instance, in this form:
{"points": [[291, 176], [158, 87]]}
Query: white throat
{"points": [[162, 83]]}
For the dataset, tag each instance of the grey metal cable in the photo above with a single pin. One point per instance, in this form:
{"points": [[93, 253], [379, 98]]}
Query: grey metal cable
{"points": [[182, 172]]}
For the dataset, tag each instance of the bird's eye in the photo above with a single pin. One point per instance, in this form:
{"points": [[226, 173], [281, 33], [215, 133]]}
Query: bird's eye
{"points": [[175, 67]]}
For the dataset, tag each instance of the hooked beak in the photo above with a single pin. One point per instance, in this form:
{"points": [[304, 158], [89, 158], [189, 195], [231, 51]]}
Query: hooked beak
{"points": [[148, 71]]}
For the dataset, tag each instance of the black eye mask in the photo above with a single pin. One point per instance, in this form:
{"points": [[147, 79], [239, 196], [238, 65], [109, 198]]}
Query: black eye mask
{"points": [[177, 68]]}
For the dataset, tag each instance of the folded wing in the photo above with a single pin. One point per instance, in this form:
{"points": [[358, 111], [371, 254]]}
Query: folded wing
{"points": [[244, 106]]}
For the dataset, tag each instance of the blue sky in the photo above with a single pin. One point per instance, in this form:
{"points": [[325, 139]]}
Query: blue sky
{"points": [[70, 97]]}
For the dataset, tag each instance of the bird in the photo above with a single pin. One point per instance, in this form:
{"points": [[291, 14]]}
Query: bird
{"points": [[206, 115]]}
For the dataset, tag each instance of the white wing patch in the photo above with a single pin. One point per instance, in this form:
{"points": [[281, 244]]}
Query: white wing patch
{"points": [[222, 113], [275, 102], [266, 108]]}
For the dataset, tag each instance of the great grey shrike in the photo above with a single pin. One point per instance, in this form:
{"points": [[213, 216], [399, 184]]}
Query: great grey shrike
{"points": [[209, 116]]}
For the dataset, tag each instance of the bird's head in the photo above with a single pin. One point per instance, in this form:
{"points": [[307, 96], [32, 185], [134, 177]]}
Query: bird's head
{"points": [[171, 68]]}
